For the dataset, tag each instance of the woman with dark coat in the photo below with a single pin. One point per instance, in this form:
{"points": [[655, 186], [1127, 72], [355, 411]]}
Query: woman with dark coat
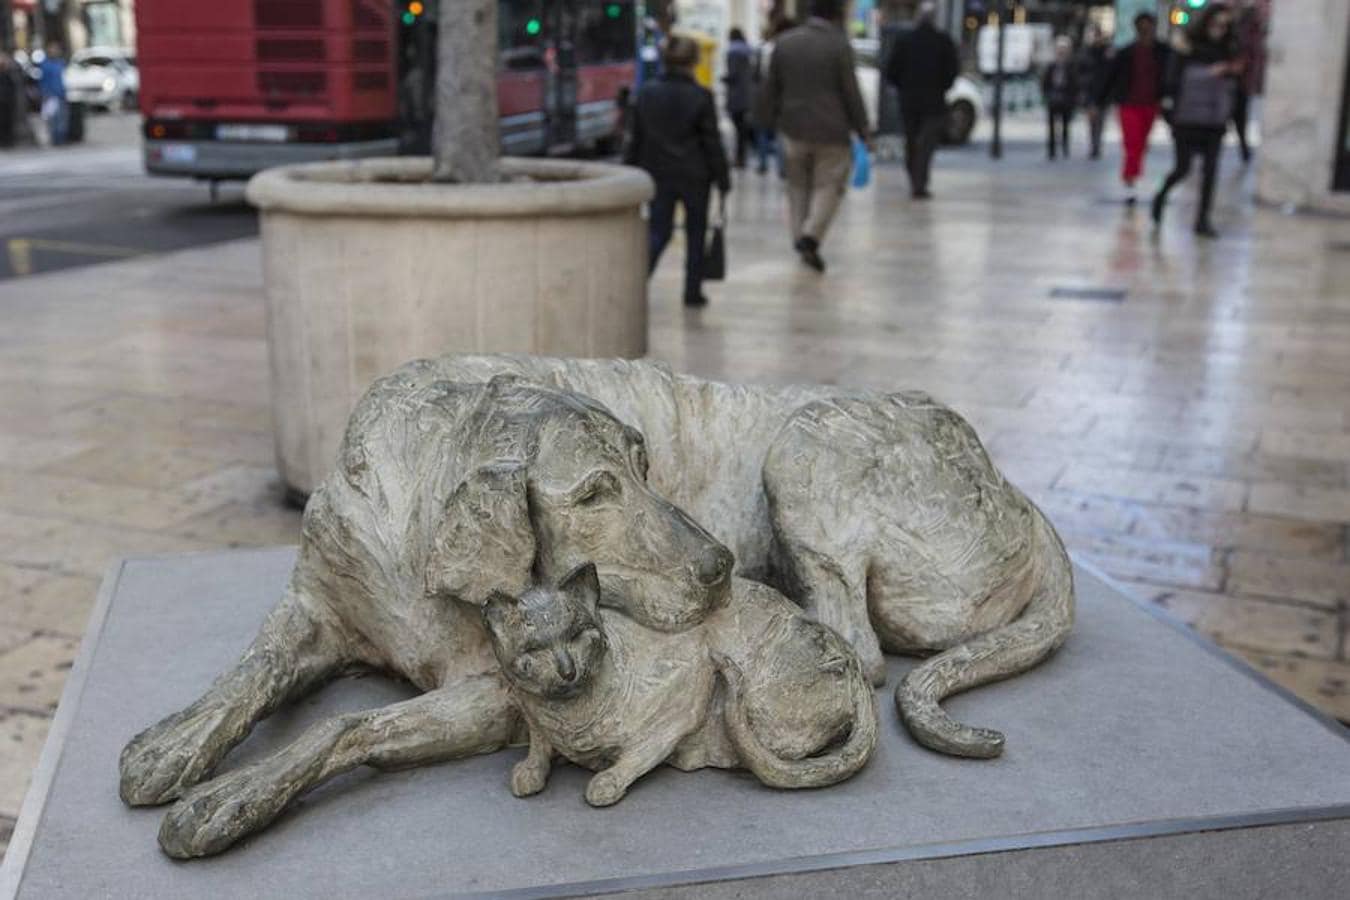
{"points": [[1198, 95], [675, 139], [739, 81]]}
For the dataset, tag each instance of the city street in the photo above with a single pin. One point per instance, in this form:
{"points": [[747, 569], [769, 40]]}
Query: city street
{"points": [[93, 202], [1176, 407]]}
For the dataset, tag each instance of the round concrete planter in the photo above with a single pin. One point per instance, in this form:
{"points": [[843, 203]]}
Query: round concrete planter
{"points": [[367, 265]]}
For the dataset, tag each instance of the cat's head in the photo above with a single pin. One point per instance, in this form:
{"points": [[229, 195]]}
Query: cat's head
{"points": [[549, 640]]}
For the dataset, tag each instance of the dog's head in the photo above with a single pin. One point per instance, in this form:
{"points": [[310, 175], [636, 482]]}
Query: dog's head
{"points": [[569, 486]]}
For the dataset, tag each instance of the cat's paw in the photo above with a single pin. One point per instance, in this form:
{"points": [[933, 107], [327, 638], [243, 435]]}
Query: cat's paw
{"points": [[527, 778], [605, 789]]}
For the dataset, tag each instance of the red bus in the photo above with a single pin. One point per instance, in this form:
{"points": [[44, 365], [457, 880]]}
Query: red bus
{"points": [[231, 87]]}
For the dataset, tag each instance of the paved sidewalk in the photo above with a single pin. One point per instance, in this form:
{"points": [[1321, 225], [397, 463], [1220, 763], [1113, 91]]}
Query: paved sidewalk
{"points": [[1190, 435]]}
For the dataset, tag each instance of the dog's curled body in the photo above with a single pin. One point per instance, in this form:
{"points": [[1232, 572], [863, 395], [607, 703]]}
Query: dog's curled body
{"points": [[881, 514]]}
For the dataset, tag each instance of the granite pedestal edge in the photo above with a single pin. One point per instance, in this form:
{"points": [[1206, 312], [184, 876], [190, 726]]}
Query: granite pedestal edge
{"points": [[1302, 851]]}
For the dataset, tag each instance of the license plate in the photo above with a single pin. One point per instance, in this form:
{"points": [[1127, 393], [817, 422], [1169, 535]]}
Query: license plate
{"points": [[178, 153], [274, 133]]}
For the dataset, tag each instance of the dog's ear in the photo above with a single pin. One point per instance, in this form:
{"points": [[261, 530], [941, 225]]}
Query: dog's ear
{"points": [[484, 541], [498, 610], [582, 584]]}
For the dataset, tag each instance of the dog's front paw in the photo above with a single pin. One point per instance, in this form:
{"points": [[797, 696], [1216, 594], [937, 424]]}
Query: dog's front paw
{"points": [[212, 817], [605, 789], [528, 778], [163, 761]]}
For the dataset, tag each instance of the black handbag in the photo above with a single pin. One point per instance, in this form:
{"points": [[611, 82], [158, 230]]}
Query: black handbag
{"points": [[715, 253]]}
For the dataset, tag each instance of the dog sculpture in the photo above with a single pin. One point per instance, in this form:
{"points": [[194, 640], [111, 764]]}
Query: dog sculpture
{"points": [[881, 514]]}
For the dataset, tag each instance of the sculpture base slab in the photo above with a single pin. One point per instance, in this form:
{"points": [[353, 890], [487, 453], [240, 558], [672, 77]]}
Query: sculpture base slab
{"points": [[1140, 762]]}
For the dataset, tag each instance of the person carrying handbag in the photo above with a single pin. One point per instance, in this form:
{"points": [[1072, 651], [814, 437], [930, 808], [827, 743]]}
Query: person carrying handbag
{"points": [[676, 140], [1198, 102]]}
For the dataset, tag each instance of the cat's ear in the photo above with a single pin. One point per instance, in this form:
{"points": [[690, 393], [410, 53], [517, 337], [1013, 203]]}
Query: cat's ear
{"points": [[498, 611], [582, 584]]}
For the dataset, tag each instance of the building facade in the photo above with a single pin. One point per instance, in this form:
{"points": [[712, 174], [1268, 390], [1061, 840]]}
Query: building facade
{"points": [[1305, 132]]}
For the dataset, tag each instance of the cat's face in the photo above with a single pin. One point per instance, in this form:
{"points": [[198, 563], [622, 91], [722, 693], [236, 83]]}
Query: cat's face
{"points": [[549, 641]]}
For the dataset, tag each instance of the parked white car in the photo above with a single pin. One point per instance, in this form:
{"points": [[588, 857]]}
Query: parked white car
{"points": [[965, 100], [105, 77]]}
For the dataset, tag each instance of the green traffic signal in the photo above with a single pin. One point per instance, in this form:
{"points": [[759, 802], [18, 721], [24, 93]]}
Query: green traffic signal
{"points": [[613, 10], [409, 18], [533, 27], [1196, 4]]}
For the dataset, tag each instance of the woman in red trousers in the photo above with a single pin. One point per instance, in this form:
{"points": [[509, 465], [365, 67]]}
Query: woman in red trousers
{"points": [[1135, 84]]}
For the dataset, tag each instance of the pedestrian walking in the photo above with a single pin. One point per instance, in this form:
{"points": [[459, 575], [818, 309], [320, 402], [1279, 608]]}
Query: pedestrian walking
{"points": [[675, 138], [1135, 83], [1094, 65], [766, 138], [13, 102], [1059, 87], [1200, 89], [922, 67], [52, 83], [739, 82], [1248, 31], [815, 105]]}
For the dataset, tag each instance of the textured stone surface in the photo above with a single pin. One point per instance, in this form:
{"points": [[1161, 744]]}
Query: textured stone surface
{"points": [[464, 481], [1131, 723]]}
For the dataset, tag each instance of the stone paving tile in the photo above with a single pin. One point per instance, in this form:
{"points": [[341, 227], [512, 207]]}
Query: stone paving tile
{"points": [[41, 600], [246, 525], [1323, 683], [1324, 584], [1308, 445], [145, 466], [21, 737], [1320, 504], [1136, 559], [1271, 535], [1154, 487], [87, 549], [1261, 625], [33, 673]]}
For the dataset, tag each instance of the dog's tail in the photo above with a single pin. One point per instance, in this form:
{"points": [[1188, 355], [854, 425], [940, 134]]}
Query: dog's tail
{"points": [[812, 771], [1016, 647]]}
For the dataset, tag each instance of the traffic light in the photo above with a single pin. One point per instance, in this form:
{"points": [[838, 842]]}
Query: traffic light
{"points": [[1196, 4], [1180, 17], [412, 12], [533, 27]]}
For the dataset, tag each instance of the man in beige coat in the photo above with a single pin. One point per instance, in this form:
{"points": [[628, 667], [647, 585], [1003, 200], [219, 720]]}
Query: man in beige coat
{"points": [[815, 104]]}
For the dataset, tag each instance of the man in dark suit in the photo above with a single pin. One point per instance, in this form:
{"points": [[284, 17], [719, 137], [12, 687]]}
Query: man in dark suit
{"points": [[922, 67], [675, 138]]}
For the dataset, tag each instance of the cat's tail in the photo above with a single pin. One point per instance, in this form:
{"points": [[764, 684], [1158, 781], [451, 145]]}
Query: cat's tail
{"points": [[812, 771], [1014, 648]]}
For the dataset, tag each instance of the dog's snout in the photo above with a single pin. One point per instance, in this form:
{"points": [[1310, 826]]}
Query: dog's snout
{"points": [[713, 566]]}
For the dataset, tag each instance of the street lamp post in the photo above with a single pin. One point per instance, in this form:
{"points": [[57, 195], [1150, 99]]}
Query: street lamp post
{"points": [[996, 148]]}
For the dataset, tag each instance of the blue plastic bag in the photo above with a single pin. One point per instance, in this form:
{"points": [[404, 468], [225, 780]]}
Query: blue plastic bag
{"points": [[862, 164]]}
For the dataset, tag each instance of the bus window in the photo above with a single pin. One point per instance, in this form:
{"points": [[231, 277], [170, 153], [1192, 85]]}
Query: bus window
{"points": [[607, 32]]}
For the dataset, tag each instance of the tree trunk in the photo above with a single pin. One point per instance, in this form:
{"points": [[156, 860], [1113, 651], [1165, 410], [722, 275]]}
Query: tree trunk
{"points": [[466, 140]]}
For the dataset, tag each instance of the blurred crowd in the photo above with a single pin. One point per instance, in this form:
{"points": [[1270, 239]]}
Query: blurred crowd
{"points": [[1200, 82]]}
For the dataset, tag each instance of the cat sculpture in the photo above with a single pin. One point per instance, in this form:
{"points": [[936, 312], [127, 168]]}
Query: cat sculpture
{"points": [[757, 685]]}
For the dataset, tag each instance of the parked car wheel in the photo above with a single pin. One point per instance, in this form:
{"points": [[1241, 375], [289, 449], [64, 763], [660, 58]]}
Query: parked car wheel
{"points": [[960, 122]]}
